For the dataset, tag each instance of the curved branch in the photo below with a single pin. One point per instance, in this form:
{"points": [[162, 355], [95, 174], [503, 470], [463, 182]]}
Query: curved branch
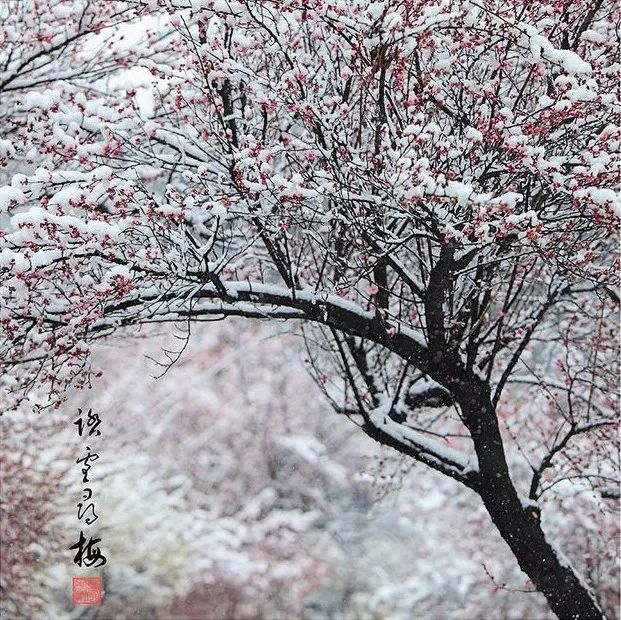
{"points": [[383, 429], [327, 309]]}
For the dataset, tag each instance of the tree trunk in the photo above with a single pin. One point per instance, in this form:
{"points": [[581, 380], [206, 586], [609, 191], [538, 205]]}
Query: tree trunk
{"points": [[567, 596], [519, 526]]}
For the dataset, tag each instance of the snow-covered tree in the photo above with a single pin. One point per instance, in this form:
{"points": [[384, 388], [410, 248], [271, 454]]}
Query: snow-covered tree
{"points": [[214, 501], [32, 482], [233, 486], [427, 188], [54, 44]]}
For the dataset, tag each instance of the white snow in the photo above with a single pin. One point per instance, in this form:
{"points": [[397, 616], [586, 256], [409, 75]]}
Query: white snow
{"points": [[6, 149], [10, 195], [474, 134], [540, 47], [602, 196], [427, 445], [461, 191]]}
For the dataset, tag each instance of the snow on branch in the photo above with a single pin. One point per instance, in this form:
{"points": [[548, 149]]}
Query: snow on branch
{"points": [[422, 447]]}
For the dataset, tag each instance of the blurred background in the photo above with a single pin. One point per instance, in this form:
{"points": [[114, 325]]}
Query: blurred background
{"points": [[226, 488]]}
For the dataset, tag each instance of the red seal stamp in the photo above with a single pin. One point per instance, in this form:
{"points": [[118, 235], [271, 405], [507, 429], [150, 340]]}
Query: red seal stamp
{"points": [[86, 591]]}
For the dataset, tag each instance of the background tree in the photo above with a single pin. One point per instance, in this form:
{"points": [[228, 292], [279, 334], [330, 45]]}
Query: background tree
{"points": [[235, 496], [214, 503], [428, 188], [32, 481]]}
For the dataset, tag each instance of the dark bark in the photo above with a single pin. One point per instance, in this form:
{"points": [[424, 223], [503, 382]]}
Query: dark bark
{"points": [[519, 525], [434, 300]]}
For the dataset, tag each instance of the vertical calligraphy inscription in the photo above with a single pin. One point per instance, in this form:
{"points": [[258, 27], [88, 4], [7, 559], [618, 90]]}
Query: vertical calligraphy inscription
{"points": [[88, 554]]}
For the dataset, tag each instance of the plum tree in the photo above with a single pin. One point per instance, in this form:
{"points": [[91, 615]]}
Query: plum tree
{"points": [[427, 188]]}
